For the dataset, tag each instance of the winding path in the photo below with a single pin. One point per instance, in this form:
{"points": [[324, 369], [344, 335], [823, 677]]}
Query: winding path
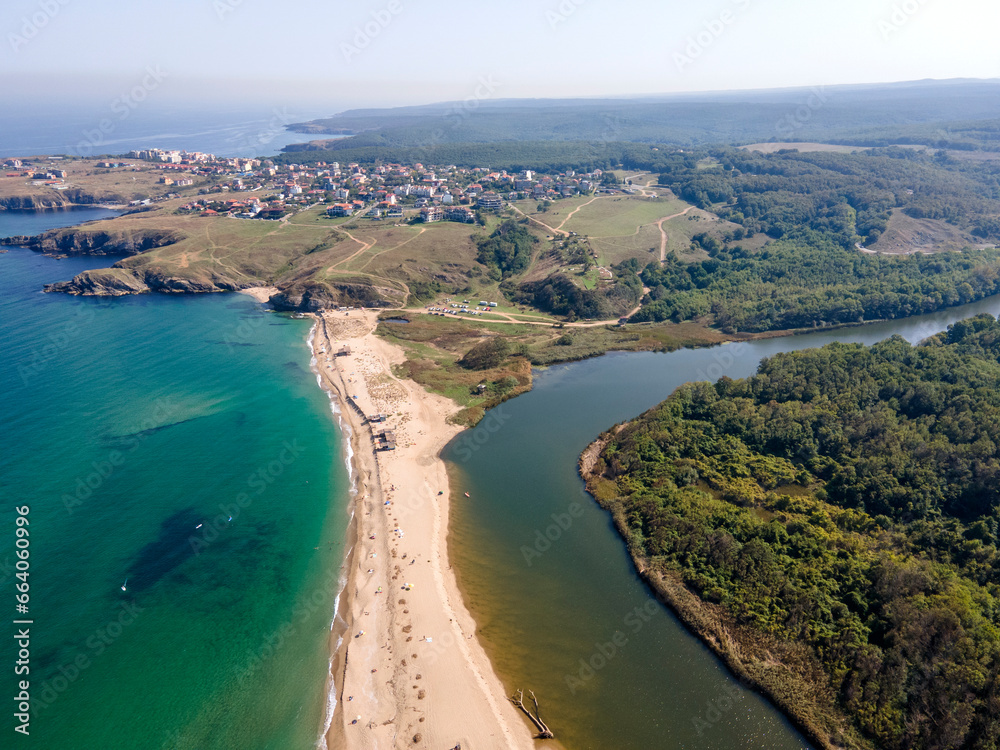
{"points": [[573, 213], [364, 247], [541, 223], [394, 247], [663, 234]]}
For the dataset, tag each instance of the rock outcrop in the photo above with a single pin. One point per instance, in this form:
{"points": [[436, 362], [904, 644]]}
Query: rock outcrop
{"points": [[104, 282], [316, 297], [62, 242], [120, 280], [58, 199]]}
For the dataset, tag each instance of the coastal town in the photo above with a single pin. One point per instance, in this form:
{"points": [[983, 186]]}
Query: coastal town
{"points": [[269, 190]]}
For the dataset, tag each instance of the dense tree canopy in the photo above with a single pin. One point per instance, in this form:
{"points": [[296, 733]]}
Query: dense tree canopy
{"points": [[508, 250], [795, 285], [847, 498], [846, 197], [560, 295]]}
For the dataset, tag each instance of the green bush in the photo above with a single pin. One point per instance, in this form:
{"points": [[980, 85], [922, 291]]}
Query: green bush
{"points": [[486, 355]]}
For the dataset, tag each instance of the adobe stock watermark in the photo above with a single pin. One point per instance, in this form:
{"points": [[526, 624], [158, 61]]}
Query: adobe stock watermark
{"points": [[322, 597], [717, 708], [248, 328], [252, 144], [31, 26], [472, 441], [901, 14], [54, 344], [93, 647], [7, 569], [122, 107], [562, 13], [87, 484], [461, 112], [698, 44], [607, 652], [543, 541], [611, 134], [364, 35], [801, 117], [725, 358], [486, 88], [259, 481]]}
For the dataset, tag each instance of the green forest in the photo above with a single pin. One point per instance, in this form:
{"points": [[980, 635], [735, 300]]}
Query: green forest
{"points": [[560, 295], [948, 114], [813, 209], [843, 502], [848, 197], [508, 251], [816, 209], [791, 284]]}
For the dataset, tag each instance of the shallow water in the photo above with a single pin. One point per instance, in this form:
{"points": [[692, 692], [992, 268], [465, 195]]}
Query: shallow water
{"points": [[177, 446]]}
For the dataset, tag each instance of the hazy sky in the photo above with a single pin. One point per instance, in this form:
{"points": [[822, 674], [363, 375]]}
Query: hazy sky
{"points": [[386, 52]]}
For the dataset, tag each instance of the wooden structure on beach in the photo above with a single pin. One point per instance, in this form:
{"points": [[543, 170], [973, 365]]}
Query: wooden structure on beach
{"points": [[378, 417], [344, 351], [354, 405], [385, 440]]}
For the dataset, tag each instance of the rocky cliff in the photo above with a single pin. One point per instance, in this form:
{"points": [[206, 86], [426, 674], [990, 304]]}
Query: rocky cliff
{"points": [[59, 199], [63, 242], [117, 281], [120, 280]]}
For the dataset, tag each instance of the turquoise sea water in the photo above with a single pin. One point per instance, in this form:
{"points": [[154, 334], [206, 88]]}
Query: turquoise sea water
{"points": [[127, 424]]}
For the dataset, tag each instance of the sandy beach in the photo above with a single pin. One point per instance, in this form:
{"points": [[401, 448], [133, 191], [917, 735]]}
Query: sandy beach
{"points": [[260, 293], [410, 671]]}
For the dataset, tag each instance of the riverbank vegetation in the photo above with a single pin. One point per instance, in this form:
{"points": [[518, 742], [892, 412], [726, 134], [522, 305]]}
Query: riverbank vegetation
{"points": [[790, 285], [836, 514], [453, 357]]}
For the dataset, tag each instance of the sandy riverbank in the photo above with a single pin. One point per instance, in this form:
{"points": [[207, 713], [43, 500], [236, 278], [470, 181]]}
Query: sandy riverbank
{"points": [[410, 670]]}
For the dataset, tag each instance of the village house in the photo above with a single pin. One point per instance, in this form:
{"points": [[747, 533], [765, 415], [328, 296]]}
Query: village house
{"points": [[460, 214], [340, 209], [431, 214], [490, 202]]}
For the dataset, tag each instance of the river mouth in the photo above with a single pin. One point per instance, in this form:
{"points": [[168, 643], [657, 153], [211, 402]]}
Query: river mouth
{"points": [[560, 607]]}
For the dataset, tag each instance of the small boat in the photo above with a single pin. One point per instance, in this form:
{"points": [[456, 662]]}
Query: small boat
{"points": [[199, 525], [124, 585], [467, 494]]}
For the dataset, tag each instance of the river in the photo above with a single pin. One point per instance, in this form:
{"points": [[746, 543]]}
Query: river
{"points": [[570, 618]]}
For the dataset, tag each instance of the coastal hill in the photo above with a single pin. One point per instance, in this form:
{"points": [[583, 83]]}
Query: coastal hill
{"points": [[949, 114], [745, 240]]}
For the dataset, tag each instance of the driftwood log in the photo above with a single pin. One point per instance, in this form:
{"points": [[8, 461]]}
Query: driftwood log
{"points": [[544, 733]]}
